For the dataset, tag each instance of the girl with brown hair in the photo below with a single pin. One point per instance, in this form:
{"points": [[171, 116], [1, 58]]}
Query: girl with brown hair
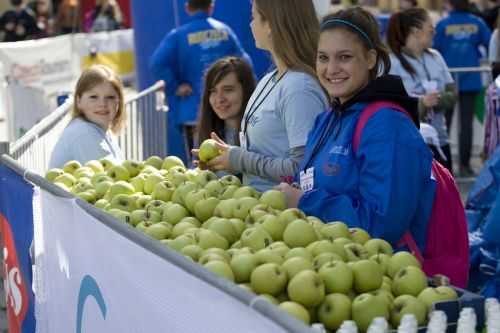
{"points": [[286, 101], [229, 83]]}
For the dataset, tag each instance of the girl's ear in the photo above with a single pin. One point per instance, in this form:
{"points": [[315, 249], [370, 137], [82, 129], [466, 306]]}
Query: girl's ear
{"points": [[371, 57]]}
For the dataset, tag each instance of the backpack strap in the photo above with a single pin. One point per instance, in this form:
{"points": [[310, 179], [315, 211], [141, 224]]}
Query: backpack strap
{"points": [[366, 114]]}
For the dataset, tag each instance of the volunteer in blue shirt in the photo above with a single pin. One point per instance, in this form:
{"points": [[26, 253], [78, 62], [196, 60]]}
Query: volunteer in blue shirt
{"points": [[181, 60], [458, 38], [384, 187]]}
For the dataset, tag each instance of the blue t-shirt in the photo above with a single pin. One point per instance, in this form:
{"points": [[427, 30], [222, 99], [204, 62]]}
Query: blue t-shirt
{"points": [[83, 141]]}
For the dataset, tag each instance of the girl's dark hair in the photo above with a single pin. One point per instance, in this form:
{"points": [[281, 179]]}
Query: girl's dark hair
{"points": [[208, 120], [364, 25], [399, 28]]}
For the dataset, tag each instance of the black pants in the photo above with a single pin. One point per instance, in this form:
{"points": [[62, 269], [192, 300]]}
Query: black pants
{"points": [[466, 120], [447, 152]]}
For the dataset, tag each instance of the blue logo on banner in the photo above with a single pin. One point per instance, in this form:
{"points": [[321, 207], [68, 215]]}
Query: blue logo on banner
{"points": [[88, 288]]}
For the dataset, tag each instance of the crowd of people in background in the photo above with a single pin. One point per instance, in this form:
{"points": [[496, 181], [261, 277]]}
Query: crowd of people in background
{"points": [[33, 19]]}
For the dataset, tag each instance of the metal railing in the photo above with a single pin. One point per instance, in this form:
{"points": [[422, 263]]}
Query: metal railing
{"points": [[145, 133]]}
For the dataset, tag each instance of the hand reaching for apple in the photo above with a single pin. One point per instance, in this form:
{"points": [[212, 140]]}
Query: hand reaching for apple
{"points": [[213, 154], [292, 194]]}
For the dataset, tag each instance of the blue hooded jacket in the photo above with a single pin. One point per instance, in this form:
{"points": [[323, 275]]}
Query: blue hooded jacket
{"points": [[385, 188], [458, 38], [184, 55]]}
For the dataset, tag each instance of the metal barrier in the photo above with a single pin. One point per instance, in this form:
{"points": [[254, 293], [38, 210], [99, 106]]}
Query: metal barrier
{"points": [[144, 135], [484, 70]]}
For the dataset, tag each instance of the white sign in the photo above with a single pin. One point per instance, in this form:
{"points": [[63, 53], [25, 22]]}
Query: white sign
{"points": [[89, 278]]}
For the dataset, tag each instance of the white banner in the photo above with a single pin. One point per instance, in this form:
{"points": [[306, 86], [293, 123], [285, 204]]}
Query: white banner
{"points": [[90, 278]]}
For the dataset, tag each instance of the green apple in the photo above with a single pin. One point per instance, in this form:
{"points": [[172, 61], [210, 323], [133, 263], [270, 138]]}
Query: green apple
{"points": [[157, 206], [245, 191], [174, 213], [214, 188], [178, 243], [243, 207], [193, 197], [120, 187], [225, 229], [95, 165], [172, 161], [71, 166], [322, 246], [100, 177], [225, 208], [256, 238], [342, 241], [385, 295], [291, 214], [238, 225], [106, 163], [66, 178], [409, 281], [355, 252], [193, 251], [228, 180], [88, 196], [359, 235], [272, 225], [334, 230], [192, 220], [367, 274], [154, 161], [430, 295], [377, 245], [300, 252], [324, 258], [299, 233], [133, 167], [163, 191], [102, 188], [138, 182], [209, 238], [220, 268], [208, 150], [334, 310], [118, 172], [400, 260], [296, 310], [181, 191], [274, 198], [101, 203], [124, 202], [119, 214], [204, 176], [53, 174], [221, 252], [82, 185], [142, 201], [159, 231], [228, 192], [206, 257], [204, 209], [306, 288], [365, 308], [279, 247], [337, 277], [408, 304], [267, 255], [84, 172], [382, 260], [181, 228], [268, 279], [151, 181], [176, 177], [243, 265], [295, 265]]}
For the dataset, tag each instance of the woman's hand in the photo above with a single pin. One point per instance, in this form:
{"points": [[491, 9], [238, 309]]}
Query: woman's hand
{"points": [[431, 99], [218, 163], [292, 194]]}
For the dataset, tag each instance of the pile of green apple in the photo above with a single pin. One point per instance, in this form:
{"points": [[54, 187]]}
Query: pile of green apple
{"points": [[316, 271]]}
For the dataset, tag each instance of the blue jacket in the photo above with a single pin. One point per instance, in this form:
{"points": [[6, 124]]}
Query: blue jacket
{"points": [[458, 38], [184, 55], [385, 188]]}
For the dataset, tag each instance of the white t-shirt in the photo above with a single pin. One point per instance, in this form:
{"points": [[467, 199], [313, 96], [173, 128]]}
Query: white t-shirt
{"points": [[279, 116]]}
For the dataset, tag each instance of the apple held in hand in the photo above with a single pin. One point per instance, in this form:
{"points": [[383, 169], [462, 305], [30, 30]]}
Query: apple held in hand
{"points": [[208, 150]]}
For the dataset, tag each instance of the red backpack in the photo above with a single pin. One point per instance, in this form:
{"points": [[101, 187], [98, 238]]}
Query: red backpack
{"points": [[447, 247]]}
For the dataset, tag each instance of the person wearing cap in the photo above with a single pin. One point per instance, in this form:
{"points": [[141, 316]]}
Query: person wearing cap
{"points": [[181, 60]]}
